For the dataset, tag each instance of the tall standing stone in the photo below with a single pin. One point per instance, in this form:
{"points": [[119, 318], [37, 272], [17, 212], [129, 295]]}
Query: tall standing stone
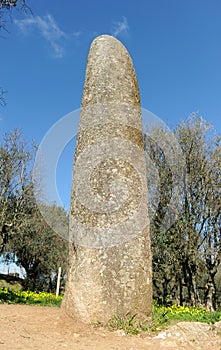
{"points": [[109, 270]]}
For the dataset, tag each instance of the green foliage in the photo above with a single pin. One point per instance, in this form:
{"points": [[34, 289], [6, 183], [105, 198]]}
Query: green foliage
{"points": [[187, 256], [25, 238], [129, 324], [163, 316], [28, 297], [183, 313], [40, 251], [16, 187]]}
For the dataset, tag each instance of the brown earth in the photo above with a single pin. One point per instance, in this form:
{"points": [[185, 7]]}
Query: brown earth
{"points": [[47, 328]]}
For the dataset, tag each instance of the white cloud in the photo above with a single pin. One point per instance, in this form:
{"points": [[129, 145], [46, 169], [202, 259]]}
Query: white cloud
{"points": [[120, 27], [77, 34], [48, 29]]}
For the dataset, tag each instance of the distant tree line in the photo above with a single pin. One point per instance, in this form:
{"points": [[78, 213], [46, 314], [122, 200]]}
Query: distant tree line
{"points": [[187, 256]]}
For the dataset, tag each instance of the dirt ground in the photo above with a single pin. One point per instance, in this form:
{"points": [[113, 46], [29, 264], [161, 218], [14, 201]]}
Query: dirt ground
{"points": [[46, 328]]}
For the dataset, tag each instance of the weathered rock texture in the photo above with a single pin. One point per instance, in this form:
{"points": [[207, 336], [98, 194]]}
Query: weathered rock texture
{"points": [[109, 269]]}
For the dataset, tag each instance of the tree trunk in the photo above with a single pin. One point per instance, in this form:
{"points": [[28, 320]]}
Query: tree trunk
{"points": [[195, 295], [209, 296], [180, 291]]}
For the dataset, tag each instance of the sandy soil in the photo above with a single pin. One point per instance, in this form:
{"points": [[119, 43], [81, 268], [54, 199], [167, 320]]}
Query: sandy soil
{"points": [[46, 328]]}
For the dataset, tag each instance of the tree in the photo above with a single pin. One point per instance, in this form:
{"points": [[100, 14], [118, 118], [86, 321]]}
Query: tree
{"points": [[25, 238], [212, 234], [39, 250], [16, 185], [165, 175], [201, 206], [186, 257]]}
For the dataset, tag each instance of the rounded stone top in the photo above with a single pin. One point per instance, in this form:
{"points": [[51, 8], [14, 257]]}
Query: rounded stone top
{"points": [[110, 75]]}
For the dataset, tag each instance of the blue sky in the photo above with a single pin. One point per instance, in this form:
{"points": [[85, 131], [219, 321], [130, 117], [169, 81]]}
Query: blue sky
{"points": [[175, 46]]}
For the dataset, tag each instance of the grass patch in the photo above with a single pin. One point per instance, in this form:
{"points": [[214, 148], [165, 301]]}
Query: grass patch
{"points": [[184, 313], [28, 297], [162, 317], [130, 324]]}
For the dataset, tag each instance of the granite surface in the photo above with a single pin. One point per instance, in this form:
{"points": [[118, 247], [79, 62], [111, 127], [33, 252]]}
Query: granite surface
{"points": [[109, 269]]}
